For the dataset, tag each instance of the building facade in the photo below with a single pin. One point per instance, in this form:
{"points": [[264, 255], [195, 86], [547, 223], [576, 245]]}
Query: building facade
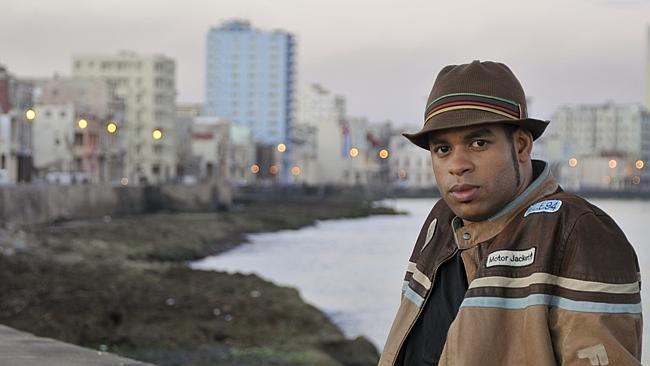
{"points": [[79, 134], [16, 97], [647, 69], [410, 165], [322, 157], [250, 79], [187, 169], [147, 85], [250, 76], [223, 150], [599, 146]]}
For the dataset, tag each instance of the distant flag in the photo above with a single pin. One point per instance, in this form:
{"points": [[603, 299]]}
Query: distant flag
{"points": [[372, 139]]}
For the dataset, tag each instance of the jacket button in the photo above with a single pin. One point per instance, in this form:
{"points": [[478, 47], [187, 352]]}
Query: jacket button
{"points": [[467, 236]]}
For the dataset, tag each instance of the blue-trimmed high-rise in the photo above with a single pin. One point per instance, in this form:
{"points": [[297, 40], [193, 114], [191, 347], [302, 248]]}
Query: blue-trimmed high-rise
{"points": [[250, 76]]}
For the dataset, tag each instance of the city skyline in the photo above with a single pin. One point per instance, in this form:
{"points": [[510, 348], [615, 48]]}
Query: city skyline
{"points": [[381, 56]]}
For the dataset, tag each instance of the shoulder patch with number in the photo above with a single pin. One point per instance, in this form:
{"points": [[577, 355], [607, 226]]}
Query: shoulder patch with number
{"points": [[544, 206]]}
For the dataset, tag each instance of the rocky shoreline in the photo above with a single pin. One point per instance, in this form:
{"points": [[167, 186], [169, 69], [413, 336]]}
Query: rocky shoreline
{"points": [[121, 285]]}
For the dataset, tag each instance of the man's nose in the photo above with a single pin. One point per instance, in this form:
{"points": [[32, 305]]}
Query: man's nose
{"points": [[460, 163]]}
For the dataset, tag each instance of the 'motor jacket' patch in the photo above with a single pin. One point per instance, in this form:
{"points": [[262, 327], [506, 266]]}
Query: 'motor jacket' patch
{"points": [[544, 206], [511, 258]]}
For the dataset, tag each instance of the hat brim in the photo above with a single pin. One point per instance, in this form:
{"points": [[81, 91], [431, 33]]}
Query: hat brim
{"points": [[421, 138]]}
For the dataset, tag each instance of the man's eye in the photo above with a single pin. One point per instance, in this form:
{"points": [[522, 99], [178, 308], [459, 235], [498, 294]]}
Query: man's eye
{"points": [[441, 149], [479, 143]]}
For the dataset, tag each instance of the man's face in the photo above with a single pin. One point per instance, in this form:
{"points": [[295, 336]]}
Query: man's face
{"points": [[476, 169]]}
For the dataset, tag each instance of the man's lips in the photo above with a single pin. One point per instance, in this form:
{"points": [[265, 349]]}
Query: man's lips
{"points": [[463, 192]]}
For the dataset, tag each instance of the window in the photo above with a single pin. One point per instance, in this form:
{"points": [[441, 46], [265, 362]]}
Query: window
{"points": [[155, 169], [157, 149], [3, 162], [78, 139], [93, 141]]}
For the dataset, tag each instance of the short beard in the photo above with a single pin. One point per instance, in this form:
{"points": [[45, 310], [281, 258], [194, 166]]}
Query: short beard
{"points": [[510, 132]]}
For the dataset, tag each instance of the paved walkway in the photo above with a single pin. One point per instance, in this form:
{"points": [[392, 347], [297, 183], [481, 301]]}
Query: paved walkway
{"points": [[23, 349]]}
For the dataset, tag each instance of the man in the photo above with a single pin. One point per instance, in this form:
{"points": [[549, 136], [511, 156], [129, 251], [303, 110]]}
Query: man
{"points": [[508, 269]]}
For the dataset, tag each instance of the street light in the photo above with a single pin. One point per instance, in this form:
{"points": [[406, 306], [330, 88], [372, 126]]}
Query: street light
{"points": [[157, 134], [383, 153], [82, 123], [612, 164], [354, 152], [30, 114], [111, 127], [639, 164], [255, 168], [295, 170], [282, 148], [573, 162]]}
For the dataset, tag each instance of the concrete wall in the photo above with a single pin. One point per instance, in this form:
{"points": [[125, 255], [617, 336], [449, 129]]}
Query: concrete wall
{"points": [[36, 204]]}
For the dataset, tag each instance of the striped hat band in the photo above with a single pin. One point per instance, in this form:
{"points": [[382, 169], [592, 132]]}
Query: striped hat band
{"points": [[459, 101]]}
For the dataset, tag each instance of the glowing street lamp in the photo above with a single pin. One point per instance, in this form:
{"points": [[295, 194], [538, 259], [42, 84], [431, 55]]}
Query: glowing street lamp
{"points": [[274, 169], [612, 164], [295, 170], [111, 127], [639, 164], [383, 153], [573, 162], [30, 114], [255, 168], [157, 134], [282, 148], [82, 123], [354, 152]]}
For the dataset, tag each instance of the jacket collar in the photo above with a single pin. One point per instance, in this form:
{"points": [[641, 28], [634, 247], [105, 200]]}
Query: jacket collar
{"points": [[471, 235]]}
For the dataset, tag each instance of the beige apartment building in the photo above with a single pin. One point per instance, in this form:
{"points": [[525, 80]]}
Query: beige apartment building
{"points": [[147, 85]]}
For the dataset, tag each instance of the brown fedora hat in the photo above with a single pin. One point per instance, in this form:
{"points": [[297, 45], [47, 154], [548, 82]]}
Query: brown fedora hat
{"points": [[473, 94]]}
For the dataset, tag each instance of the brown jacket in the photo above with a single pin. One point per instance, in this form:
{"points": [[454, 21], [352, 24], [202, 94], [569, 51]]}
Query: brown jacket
{"points": [[552, 280]]}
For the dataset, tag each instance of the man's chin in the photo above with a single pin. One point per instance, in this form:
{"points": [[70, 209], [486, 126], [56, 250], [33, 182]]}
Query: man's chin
{"points": [[469, 216]]}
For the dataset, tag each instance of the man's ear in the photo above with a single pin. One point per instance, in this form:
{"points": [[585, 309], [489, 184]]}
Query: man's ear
{"points": [[523, 141]]}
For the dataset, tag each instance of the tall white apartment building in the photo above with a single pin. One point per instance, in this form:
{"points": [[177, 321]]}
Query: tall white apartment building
{"points": [[147, 84]]}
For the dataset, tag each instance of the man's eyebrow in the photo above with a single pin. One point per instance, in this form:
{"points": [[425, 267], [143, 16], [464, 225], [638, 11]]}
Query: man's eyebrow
{"points": [[481, 132]]}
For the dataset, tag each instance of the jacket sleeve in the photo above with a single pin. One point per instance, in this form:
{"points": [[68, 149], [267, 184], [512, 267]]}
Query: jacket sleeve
{"points": [[595, 317]]}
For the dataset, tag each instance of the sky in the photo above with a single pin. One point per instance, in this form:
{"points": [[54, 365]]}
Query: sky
{"points": [[381, 55]]}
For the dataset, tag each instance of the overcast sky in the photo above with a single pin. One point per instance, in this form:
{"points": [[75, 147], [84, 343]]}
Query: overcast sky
{"points": [[381, 55]]}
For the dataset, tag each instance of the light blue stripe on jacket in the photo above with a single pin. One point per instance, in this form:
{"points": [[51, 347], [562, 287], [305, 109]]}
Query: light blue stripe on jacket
{"points": [[410, 294], [549, 300]]}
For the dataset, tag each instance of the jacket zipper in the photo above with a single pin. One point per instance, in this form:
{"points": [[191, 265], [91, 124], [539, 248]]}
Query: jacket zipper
{"points": [[435, 272]]}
